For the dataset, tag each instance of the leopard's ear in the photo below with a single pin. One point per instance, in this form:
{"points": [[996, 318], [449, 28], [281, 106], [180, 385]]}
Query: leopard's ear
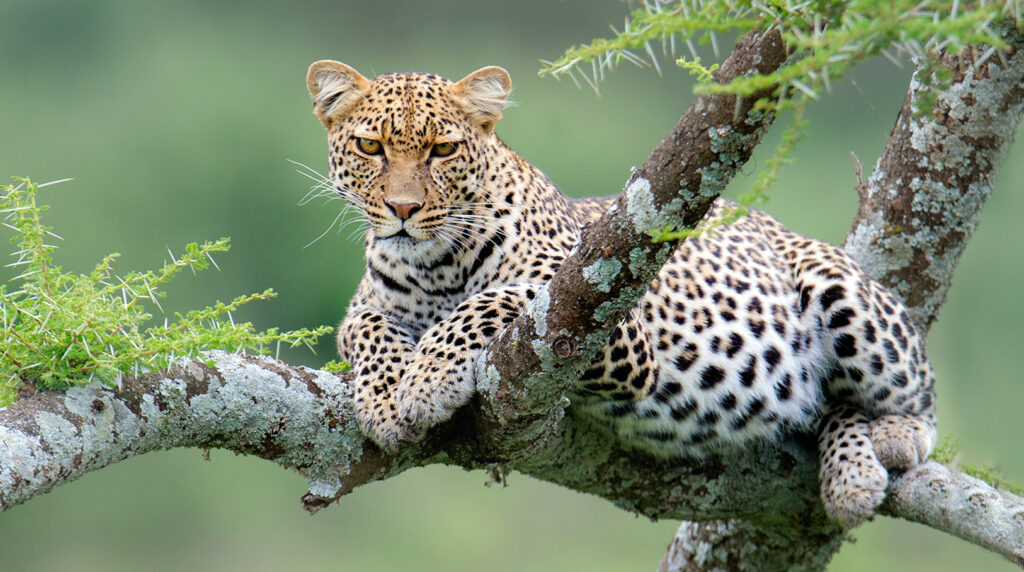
{"points": [[336, 89], [482, 95]]}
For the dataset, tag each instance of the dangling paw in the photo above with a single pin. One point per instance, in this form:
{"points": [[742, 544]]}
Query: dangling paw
{"points": [[853, 491], [853, 481]]}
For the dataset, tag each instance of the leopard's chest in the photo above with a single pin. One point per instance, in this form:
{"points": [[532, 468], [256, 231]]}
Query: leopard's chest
{"points": [[419, 291], [416, 302]]}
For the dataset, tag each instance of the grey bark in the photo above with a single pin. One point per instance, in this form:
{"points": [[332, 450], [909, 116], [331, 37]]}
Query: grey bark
{"points": [[961, 505], [303, 419], [737, 545], [298, 417], [921, 204]]}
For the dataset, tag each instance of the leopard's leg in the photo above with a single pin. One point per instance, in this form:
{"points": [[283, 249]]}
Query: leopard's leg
{"points": [[882, 369], [438, 378], [879, 368], [852, 479], [378, 350]]}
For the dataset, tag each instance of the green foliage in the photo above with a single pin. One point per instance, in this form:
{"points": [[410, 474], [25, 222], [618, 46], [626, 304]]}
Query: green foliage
{"points": [[704, 74], [946, 451], [61, 328], [335, 366], [986, 473], [829, 37]]}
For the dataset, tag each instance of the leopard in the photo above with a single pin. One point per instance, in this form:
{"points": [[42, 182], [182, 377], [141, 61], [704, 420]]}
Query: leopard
{"points": [[746, 335]]}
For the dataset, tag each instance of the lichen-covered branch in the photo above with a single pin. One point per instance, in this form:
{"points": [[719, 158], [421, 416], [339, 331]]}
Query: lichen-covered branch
{"points": [[303, 419], [921, 204], [740, 545], [300, 418]]}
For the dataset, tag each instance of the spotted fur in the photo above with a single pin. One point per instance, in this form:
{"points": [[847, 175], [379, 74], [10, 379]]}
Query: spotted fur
{"points": [[746, 334]]}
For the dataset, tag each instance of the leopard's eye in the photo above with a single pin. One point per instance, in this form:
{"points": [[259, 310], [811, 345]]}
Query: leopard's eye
{"points": [[444, 149], [369, 146]]}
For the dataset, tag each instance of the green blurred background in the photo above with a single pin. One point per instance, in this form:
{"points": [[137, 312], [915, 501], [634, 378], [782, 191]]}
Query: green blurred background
{"points": [[176, 121]]}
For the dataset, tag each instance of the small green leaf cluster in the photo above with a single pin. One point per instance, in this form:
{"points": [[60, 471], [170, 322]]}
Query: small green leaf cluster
{"points": [[947, 452], [704, 74], [61, 328], [335, 366]]}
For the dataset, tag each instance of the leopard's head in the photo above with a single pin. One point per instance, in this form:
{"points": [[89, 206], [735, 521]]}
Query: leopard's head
{"points": [[410, 150]]}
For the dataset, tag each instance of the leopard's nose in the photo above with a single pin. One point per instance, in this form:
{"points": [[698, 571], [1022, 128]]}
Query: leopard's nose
{"points": [[403, 210]]}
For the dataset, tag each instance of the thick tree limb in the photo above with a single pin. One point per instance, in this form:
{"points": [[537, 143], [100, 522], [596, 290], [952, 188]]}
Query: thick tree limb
{"points": [[303, 419], [740, 545], [923, 200], [300, 418]]}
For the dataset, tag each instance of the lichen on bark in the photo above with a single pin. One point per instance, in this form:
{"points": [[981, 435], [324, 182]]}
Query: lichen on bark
{"points": [[921, 204]]}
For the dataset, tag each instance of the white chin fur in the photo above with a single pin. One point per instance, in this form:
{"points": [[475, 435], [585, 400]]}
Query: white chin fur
{"points": [[410, 247]]}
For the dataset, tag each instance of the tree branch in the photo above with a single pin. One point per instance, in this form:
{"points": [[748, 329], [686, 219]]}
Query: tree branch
{"points": [[738, 545], [923, 200], [300, 418], [961, 505]]}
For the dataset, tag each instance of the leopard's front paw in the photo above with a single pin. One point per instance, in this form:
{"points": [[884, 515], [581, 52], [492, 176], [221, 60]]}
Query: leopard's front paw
{"points": [[385, 428], [430, 395]]}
